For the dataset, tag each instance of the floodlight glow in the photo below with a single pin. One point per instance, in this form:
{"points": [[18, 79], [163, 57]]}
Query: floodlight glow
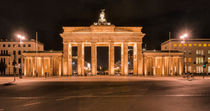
{"points": [[184, 36], [20, 37]]}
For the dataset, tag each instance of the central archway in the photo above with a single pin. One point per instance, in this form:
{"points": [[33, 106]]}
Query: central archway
{"points": [[102, 60]]}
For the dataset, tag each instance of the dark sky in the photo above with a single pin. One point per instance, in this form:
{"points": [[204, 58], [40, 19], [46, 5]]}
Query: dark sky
{"points": [[158, 17]]}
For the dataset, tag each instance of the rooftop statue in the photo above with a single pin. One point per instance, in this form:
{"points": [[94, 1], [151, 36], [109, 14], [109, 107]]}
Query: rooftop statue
{"points": [[102, 20]]}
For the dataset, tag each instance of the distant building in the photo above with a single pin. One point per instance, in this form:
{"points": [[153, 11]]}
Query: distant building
{"points": [[196, 53], [162, 63], [11, 54]]}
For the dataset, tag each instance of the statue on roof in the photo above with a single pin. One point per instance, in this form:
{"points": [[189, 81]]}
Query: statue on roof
{"points": [[102, 20]]}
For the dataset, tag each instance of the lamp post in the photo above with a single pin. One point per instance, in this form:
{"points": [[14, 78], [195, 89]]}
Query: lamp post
{"points": [[182, 37], [20, 37]]}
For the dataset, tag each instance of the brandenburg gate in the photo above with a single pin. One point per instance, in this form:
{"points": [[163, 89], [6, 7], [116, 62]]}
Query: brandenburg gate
{"points": [[102, 33]]}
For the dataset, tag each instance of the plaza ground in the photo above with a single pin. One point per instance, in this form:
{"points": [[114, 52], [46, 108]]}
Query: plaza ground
{"points": [[105, 93]]}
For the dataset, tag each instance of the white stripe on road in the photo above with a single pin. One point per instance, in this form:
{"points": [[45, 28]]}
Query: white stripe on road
{"points": [[127, 96], [61, 99], [104, 96], [30, 104]]}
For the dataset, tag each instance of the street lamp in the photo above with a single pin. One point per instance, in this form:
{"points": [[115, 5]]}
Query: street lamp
{"points": [[20, 37], [182, 37]]}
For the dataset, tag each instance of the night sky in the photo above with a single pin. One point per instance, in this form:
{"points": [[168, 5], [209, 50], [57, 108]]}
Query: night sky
{"points": [[158, 18]]}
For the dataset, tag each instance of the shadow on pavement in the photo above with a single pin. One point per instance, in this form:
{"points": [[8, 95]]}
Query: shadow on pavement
{"points": [[9, 84]]}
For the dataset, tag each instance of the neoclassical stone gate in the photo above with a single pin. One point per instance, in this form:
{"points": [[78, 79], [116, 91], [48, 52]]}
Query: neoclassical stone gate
{"points": [[102, 33]]}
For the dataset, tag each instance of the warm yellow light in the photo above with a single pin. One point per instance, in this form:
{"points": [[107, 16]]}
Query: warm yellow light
{"points": [[185, 45], [175, 45], [180, 45], [209, 45], [190, 45], [189, 59], [195, 44], [204, 45], [200, 45]]}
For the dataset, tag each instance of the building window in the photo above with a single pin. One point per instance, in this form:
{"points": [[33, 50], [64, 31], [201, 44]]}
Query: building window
{"points": [[6, 52], [4, 45], [190, 52], [9, 45], [189, 59], [19, 60], [18, 45], [185, 59], [195, 45], [199, 45], [199, 52], [208, 69], [14, 45], [190, 45], [209, 45], [180, 45], [14, 52], [199, 69], [19, 52], [204, 45], [209, 60], [199, 60], [189, 69], [29, 45], [208, 51], [24, 45], [185, 45]]}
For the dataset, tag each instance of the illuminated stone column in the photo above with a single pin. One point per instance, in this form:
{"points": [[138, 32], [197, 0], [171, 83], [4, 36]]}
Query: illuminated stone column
{"points": [[34, 66], [163, 66], [25, 66], [51, 66], [122, 58], [125, 58], [28, 67], [111, 58], [69, 69], [139, 58], [83, 59], [180, 65], [93, 59], [43, 68], [146, 64], [65, 58], [80, 63], [60, 66], [154, 66], [177, 66], [135, 63]]}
